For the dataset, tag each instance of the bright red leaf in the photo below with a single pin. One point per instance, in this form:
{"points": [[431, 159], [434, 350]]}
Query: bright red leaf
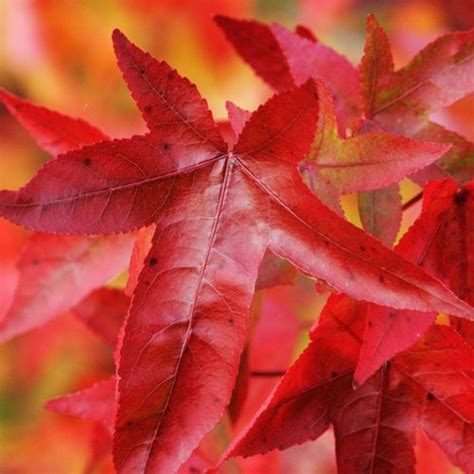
{"points": [[375, 424], [216, 212], [55, 273], [55, 133]]}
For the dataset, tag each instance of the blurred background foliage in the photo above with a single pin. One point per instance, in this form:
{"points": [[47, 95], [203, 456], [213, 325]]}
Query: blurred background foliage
{"points": [[59, 53]]}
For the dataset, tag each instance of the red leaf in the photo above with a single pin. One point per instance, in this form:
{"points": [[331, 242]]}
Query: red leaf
{"points": [[103, 312], [375, 424], [301, 398], [256, 43], [283, 58], [216, 213], [95, 403], [56, 273], [389, 331], [238, 118], [436, 77], [54, 132], [307, 58], [376, 67], [11, 242]]}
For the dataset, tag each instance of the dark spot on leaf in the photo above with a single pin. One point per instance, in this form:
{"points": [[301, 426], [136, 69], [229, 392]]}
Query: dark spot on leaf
{"points": [[230, 321], [129, 423], [35, 262], [430, 396], [87, 161], [148, 109], [153, 261], [369, 323], [142, 70], [391, 314], [461, 196], [381, 279], [167, 146], [334, 374], [362, 248]]}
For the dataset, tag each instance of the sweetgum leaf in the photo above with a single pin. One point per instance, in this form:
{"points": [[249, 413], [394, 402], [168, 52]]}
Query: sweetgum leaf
{"points": [[446, 217], [216, 212], [440, 74], [55, 133], [56, 272], [283, 58], [374, 425], [366, 161], [256, 43]]}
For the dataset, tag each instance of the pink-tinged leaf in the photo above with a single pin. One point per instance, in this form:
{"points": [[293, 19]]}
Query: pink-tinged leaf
{"points": [[301, 398], [375, 424], [279, 327], [307, 58], [457, 162], [381, 213], [439, 366], [446, 214], [137, 261], [376, 67], [256, 43], [103, 312], [366, 161], [389, 331], [439, 75], [55, 273], [205, 303], [55, 133], [95, 403], [238, 118], [282, 58]]}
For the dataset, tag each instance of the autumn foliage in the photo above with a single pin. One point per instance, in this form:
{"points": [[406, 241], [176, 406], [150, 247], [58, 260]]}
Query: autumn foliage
{"points": [[215, 221]]}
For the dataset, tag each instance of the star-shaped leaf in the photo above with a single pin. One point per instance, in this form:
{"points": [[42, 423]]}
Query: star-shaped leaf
{"points": [[216, 212]]}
